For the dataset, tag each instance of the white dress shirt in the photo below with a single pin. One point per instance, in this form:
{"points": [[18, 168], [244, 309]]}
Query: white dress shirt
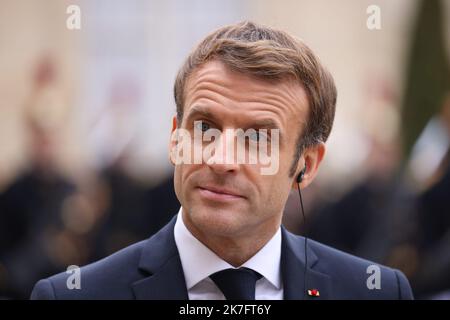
{"points": [[199, 262]]}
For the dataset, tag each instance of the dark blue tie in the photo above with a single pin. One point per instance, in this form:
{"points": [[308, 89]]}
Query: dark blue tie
{"points": [[236, 284]]}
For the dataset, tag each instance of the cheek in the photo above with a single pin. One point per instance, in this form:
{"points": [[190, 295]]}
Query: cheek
{"points": [[276, 191], [177, 183], [182, 181]]}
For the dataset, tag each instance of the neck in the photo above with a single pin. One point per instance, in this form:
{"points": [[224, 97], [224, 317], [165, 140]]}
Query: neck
{"points": [[236, 249]]}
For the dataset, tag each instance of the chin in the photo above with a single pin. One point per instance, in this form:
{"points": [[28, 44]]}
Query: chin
{"points": [[218, 221]]}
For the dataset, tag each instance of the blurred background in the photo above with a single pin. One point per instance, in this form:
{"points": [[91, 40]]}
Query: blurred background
{"points": [[85, 119]]}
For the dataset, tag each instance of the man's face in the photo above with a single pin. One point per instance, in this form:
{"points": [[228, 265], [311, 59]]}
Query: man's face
{"points": [[233, 200]]}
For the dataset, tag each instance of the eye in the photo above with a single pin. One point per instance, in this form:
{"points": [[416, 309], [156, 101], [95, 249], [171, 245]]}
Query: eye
{"points": [[201, 125], [254, 136], [257, 136]]}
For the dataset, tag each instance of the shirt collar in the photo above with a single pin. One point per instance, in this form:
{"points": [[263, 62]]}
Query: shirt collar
{"points": [[266, 261]]}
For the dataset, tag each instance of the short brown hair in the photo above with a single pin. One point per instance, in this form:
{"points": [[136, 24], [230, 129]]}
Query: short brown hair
{"points": [[268, 54]]}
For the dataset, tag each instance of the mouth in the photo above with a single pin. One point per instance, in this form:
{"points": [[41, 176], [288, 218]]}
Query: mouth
{"points": [[219, 194]]}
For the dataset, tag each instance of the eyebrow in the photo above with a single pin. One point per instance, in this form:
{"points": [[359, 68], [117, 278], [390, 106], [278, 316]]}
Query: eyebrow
{"points": [[266, 123], [200, 111], [203, 111], [269, 124]]}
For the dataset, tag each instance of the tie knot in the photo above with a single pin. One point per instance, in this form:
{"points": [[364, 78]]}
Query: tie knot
{"points": [[236, 284]]}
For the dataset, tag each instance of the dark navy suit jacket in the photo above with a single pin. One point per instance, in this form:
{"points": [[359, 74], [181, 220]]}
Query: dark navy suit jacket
{"points": [[152, 269]]}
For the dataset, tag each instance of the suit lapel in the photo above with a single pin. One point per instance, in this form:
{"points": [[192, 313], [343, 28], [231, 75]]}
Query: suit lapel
{"points": [[161, 262], [166, 284], [292, 268]]}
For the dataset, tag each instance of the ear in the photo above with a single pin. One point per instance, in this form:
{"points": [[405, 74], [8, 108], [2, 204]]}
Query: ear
{"points": [[172, 142], [312, 158]]}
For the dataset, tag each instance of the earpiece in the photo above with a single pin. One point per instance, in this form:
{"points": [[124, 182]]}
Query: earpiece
{"points": [[301, 174], [299, 180]]}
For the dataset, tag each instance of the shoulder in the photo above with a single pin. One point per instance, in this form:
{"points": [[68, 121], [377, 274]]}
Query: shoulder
{"points": [[356, 278], [114, 276], [109, 278]]}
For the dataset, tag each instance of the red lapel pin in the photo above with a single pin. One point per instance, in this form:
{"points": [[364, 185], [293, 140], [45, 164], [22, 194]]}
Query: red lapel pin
{"points": [[313, 293]]}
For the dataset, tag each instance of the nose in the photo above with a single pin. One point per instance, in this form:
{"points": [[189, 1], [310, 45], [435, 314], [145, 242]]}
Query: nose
{"points": [[223, 156]]}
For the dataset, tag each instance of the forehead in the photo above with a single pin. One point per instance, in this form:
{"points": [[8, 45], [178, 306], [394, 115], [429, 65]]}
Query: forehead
{"points": [[219, 89]]}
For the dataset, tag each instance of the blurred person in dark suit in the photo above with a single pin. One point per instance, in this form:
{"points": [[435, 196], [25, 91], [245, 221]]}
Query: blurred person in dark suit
{"points": [[135, 209], [136, 205], [432, 240], [227, 240], [37, 208], [32, 203]]}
